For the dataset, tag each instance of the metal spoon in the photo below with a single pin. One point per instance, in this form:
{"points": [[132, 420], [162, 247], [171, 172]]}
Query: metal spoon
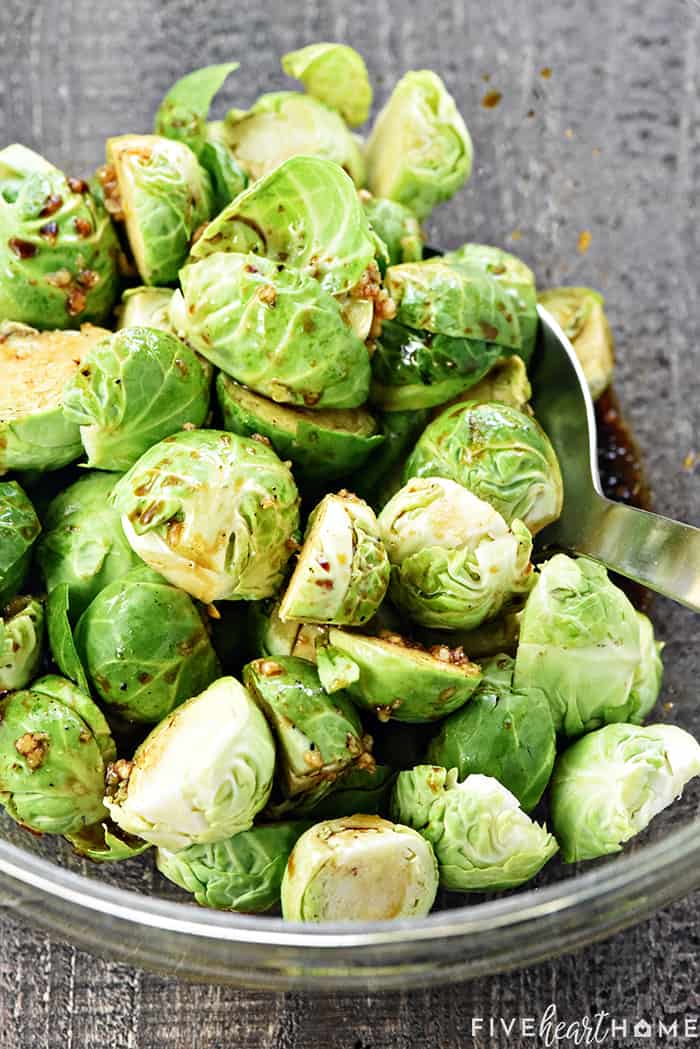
{"points": [[661, 554]]}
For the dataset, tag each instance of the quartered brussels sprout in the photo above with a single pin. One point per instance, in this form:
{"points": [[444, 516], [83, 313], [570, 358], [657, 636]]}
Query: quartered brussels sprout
{"points": [[240, 873], [364, 790], [134, 388], [580, 314], [396, 226], [213, 512], [380, 477], [144, 646], [145, 307], [35, 366], [502, 732], [397, 678], [454, 561], [359, 868], [580, 642], [83, 544], [419, 152], [285, 124], [21, 634], [516, 279], [506, 382], [610, 784], [161, 193], [321, 444], [58, 249], [318, 736], [277, 331], [54, 744], [483, 840], [202, 775], [342, 572], [500, 454], [103, 842], [419, 369], [19, 527], [334, 74], [182, 115], [269, 636]]}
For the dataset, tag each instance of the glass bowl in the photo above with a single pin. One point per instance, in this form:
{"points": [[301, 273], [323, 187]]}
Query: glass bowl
{"points": [[592, 131]]}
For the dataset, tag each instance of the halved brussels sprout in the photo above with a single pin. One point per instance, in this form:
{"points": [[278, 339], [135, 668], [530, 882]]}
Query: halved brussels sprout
{"points": [[19, 527], [342, 572], [305, 214], [318, 737], [506, 382], [502, 732], [483, 840], [500, 454], [51, 764], [214, 513], [35, 366], [455, 563], [419, 152], [146, 308], [359, 868], [610, 784], [58, 249], [396, 226], [269, 636], [21, 634], [182, 115], [103, 842], [418, 369], [275, 330], [518, 282], [580, 643], [580, 314], [400, 679], [381, 475], [145, 647], [202, 774], [322, 444], [648, 675], [158, 189], [83, 544], [358, 790], [241, 873], [134, 388], [334, 74], [285, 124]]}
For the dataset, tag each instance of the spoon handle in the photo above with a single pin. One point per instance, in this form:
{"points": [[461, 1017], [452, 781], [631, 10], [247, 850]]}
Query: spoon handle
{"points": [[661, 554]]}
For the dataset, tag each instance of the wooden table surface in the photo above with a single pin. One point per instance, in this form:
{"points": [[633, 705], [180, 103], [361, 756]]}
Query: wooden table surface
{"points": [[608, 143]]}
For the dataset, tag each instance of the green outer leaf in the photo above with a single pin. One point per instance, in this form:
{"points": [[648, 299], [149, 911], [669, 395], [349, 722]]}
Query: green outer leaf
{"points": [[397, 227], [80, 701], [19, 527], [60, 634], [21, 635], [336, 75], [228, 178], [183, 112], [104, 843]]}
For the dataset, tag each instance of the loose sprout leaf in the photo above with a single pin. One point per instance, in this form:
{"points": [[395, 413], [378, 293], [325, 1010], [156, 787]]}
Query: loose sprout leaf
{"points": [[60, 634], [104, 843], [335, 74], [182, 113]]}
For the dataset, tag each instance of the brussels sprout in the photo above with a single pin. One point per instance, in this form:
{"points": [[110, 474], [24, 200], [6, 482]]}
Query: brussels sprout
{"points": [[397, 678], [396, 226], [318, 737], [334, 74], [517, 280], [580, 314], [133, 389], [19, 527], [103, 842], [276, 331], [158, 189], [342, 572], [241, 873], [381, 476], [59, 688], [483, 840], [418, 369], [580, 643], [203, 773], [500, 454], [21, 632], [359, 868], [506, 382], [502, 732], [454, 561], [321, 444], [144, 647], [182, 114], [51, 765], [610, 784], [649, 671], [61, 642], [83, 544], [458, 300], [146, 308], [269, 636], [358, 790], [419, 152], [58, 248], [213, 512], [35, 366], [285, 124]]}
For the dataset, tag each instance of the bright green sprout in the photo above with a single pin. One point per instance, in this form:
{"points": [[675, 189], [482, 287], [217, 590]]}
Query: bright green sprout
{"points": [[334, 74]]}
